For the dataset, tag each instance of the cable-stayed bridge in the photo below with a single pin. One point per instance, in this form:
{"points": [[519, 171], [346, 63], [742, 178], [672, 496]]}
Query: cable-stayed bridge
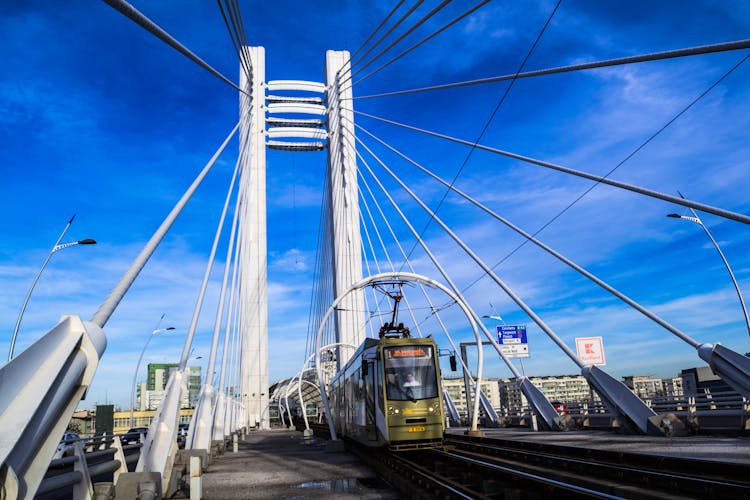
{"points": [[392, 224]]}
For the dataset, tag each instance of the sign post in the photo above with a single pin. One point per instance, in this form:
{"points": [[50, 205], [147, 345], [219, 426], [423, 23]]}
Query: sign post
{"points": [[590, 350], [513, 341]]}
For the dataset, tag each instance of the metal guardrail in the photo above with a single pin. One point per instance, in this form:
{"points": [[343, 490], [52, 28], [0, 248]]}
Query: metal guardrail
{"points": [[80, 462], [726, 411]]}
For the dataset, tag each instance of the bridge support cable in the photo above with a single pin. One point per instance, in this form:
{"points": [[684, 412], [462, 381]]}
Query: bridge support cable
{"points": [[201, 429], [382, 37], [232, 382], [435, 33], [736, 369], [377, 28], [628, 157], [323, 266], [538, 401], [40, 390], [416, 25], [720, 212], [631, 410], [390, 262], [108, 307], [220, 426], [159, 448], [494, 112], [433, 309], [652, 316], [656, 56], [144, 22], [236, 34]]}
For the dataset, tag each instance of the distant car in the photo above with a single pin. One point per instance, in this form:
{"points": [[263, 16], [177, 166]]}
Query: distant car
{"points": [[182, 432], [133, 435], [561, 408], [182, 429], [66, 444]]}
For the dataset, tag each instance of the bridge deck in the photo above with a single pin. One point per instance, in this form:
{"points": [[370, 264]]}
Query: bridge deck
{"points": [[278, 464], [721, 449]]}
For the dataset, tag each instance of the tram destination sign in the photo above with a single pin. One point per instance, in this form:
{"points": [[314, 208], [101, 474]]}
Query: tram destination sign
{"points": [[513, 341]]}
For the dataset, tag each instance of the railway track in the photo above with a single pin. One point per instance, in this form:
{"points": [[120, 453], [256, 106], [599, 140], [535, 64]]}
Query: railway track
{"points": [[652, 476], [475, 468]]}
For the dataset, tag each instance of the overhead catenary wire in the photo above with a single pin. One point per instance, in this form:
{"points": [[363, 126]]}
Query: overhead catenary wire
{"points": [[655, 56], [144, 22], [702, 207]]}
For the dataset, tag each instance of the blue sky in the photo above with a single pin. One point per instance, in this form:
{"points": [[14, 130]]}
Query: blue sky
{"points": [[100, 119]]}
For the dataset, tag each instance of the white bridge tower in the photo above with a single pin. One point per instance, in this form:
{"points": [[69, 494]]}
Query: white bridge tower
{"points": [[321, 119]]}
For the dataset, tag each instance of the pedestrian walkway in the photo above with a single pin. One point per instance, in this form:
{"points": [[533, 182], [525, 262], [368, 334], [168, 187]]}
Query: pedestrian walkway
{"points": [[280, 464]]}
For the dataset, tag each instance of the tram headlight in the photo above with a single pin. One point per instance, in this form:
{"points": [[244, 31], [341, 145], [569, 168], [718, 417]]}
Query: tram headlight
{"points": [[393, 411]]}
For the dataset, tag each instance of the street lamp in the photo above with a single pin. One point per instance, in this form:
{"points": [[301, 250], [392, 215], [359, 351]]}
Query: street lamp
{"points": [[55, 248], [697, 220], [138, 365]]}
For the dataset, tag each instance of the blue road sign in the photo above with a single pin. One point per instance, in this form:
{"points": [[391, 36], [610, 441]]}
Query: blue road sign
{"points": [[513, 341]]}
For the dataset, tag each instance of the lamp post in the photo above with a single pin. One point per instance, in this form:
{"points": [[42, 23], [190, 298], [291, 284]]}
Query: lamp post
{"points": [[57, 246], [698, 221], [138, 365]]}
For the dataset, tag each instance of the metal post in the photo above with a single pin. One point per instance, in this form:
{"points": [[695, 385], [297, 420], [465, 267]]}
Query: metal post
{"points": [[138, 365], [467, 382], [698, 221], [57, 246]]}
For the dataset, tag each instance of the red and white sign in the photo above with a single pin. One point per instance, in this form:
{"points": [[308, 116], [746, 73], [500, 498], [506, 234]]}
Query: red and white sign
{"points": [[590, 350]]}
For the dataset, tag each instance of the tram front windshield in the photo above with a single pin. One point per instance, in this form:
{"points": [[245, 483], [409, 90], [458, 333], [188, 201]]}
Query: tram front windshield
{"points": [[410, 373]]}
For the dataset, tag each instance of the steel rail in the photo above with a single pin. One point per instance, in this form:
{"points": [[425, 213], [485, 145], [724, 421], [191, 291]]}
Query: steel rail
{"points": [[719, 479], [680, 483], [534, 478]]}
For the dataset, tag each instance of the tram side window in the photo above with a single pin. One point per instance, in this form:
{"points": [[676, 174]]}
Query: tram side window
{"points": [[410, 373]]}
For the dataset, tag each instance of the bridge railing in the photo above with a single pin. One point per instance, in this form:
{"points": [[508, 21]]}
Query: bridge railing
{"points": [[82, 463], [725, 411]]}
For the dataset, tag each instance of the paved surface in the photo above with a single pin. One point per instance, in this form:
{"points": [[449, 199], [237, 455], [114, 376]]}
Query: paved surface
{"points": [[721, 449], [278, 464]]}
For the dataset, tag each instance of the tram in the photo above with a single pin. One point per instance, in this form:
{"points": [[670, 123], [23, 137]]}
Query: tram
{"points": [[389, 393]]}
